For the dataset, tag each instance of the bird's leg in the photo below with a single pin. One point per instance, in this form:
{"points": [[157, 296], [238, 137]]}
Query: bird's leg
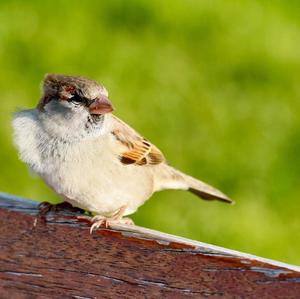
{"points": [[116, 218]]}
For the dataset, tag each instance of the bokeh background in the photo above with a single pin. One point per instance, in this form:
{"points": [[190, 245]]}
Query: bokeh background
{"points": [[214, 84]]}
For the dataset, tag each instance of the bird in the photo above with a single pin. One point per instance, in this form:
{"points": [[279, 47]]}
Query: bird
{"points": [[92, 159]]}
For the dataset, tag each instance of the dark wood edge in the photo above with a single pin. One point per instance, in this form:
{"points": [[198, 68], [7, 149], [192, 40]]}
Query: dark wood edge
{"points": [[57, 257], [26, 206]]}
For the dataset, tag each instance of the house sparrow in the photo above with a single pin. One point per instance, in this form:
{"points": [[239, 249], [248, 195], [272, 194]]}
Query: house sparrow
{"points": [[91, 158]]}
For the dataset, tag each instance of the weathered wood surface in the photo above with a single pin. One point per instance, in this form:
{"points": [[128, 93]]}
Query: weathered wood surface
{"points": [[60, 259]]}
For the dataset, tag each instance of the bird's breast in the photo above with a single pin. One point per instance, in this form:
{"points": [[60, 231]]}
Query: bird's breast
{"points": [[91, 175]]}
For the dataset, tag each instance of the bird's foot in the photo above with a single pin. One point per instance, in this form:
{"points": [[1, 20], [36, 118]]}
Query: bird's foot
{"points": [[108, 222], [46, 207], [117, 218]]}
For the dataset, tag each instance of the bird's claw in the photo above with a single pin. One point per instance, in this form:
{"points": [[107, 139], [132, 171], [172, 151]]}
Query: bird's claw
{"points": [[108, 222], [46, 207]]}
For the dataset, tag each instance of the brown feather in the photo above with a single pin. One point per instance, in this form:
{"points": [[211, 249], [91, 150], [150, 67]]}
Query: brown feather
{"points": [[139, 151]]}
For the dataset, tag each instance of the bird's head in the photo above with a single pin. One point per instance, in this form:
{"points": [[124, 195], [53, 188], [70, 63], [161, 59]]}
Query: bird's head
{"points": [[72, 106], [74, 94]]}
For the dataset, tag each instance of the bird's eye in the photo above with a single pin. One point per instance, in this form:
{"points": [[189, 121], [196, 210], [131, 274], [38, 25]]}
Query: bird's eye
{"points": [[77, 100]]}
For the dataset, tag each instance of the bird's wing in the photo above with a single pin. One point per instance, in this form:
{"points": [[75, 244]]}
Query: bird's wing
{"points": [[136, 149]]}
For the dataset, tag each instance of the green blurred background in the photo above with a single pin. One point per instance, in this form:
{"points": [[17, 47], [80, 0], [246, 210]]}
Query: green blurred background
{"points": [[214, 84]]}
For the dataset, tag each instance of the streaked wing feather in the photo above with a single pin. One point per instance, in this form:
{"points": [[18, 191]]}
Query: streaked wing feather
{"points": [[140, 151]]}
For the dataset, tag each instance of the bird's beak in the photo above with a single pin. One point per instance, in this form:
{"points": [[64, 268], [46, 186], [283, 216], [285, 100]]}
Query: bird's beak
{"points": [[101, 105]]}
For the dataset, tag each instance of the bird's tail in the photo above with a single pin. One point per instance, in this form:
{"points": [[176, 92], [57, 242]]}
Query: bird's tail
{"points": [[205, 191], [179, 180]]}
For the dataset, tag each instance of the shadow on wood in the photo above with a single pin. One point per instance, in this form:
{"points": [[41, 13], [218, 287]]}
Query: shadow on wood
{"points": [[60, 259]]}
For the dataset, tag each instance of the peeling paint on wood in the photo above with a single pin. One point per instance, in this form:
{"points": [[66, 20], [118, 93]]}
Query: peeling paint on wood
{"points": [[60, 259]]}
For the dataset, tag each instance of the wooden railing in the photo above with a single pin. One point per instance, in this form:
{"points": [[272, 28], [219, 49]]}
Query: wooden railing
{"points": [[58, 258]]}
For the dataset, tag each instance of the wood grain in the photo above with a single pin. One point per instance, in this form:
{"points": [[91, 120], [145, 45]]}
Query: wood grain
{"points": [[60, 259]]}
